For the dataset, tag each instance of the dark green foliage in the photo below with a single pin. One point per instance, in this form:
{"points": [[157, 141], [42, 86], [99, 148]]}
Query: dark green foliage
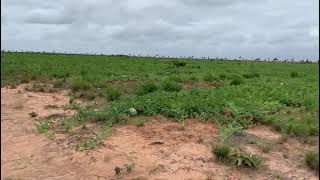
{"points": [[236, 81], [294, 74], [179, 63]]}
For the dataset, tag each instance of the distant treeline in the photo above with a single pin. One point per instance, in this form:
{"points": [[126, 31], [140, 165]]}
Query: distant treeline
{"points": [[292, 60]]}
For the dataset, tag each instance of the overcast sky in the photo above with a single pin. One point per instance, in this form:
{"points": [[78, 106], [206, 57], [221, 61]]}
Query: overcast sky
{"points": [[215, 28]]}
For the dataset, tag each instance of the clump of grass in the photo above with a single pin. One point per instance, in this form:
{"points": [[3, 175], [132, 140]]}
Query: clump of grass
{"points": [[147, 87], [251, 75], [221, 151], [171, 86], [210, 78], [294, 74], [93, 142], [312, 160], [43, 126], [113, 94], [245, 160], [51, 106], [222, 76], [140, 122], [236, 81], [80, 84], [33, 114]]}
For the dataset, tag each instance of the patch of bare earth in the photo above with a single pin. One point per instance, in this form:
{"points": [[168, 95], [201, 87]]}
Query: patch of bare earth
{"points": [[161, 149], [286, 157]]}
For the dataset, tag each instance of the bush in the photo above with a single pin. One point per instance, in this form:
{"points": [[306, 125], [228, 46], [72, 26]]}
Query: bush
{"points": [[221, 151], [113, 94], [209, 78], [179, 63], [236, 81], [147, 87], [171, 86], [294, 74], [312, 160]]}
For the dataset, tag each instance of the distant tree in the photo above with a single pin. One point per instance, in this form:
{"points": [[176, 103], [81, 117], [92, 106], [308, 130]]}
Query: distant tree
{"points": [[275, 59]]}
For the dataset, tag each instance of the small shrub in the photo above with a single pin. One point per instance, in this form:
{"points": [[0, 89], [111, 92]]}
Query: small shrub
{"points": [[294, 74], [171, 86], [236, 81], [113, 94], [312, 160], [146, 88], [265, 147], [242, 159], [209, 78], [221, 151]]}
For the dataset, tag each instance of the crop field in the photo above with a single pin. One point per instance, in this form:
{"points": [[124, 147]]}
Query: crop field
{"points": [[116, 117]]}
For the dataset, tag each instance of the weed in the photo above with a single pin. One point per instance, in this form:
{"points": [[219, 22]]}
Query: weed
{"points": [[221, 151], [171, 86], [43, 126], [140, 122], [113, 94], [130, 167], [242, 159], [80, 84], [251, 75], [51, 106], [33, 114], [237, 81], [210, 78], [294, 74], [265, 147], [312, 160], [147, 87], [179, 63]]}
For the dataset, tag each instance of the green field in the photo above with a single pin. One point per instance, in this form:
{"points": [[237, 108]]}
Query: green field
{"points": [[283, 95]]}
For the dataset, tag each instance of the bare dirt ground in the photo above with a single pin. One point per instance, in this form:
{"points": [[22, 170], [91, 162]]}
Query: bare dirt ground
{"points": [[161, 149]]}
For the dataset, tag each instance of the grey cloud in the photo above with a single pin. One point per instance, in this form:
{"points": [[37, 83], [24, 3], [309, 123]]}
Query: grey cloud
{"points": [[224, 28]]}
